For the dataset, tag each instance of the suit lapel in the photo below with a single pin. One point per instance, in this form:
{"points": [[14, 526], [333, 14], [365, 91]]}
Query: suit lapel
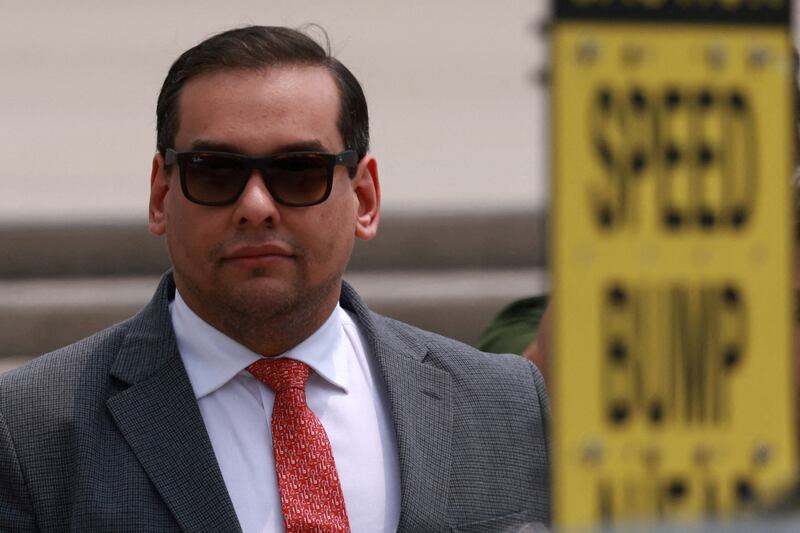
{"points": [[420, 402], [159, 418]]}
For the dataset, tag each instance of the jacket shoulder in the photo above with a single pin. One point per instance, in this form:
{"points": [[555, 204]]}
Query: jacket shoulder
{"points": [[452, 355], [58, 376]]}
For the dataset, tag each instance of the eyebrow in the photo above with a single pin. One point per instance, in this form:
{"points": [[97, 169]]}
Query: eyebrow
{"points": [[314, 145]]}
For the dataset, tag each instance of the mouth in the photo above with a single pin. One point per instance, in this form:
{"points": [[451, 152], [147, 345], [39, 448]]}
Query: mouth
{"points": [[255, 256]]}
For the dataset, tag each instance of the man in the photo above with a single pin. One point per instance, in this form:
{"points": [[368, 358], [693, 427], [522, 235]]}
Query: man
{"points": [[256, 392]]}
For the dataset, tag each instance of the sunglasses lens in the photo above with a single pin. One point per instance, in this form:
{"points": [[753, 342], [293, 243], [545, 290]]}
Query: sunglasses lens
{"points": [[299, 179], [214, 179]]}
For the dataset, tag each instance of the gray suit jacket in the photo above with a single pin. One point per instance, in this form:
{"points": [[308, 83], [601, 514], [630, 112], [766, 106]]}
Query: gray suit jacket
{"points": [[106, 435]]}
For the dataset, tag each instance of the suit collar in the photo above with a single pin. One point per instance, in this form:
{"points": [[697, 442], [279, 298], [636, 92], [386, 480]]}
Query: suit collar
{"points": [[419, 397], [159, 418], [150, 342]]}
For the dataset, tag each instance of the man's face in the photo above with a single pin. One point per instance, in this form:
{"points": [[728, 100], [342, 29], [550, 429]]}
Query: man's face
{"points": [[257, 259]]}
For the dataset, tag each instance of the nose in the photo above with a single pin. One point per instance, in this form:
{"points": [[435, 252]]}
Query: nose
{"points": [[255, 205]]}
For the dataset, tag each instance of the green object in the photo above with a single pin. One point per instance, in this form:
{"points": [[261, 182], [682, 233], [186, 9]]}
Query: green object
{"points": [[515, 327]]}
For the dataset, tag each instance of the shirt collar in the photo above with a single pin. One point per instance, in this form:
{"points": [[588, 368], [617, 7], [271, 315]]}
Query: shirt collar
{"points": [[212, 358]]}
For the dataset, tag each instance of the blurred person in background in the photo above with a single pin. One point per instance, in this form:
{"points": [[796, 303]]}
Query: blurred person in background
{"points": [[522, 327]]}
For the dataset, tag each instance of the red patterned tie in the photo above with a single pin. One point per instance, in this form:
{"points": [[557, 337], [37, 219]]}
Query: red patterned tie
{"points": [[311, 496]]}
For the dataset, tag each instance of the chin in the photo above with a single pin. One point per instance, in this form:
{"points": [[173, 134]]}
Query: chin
{"points": [[262, 288], [257, 300]]}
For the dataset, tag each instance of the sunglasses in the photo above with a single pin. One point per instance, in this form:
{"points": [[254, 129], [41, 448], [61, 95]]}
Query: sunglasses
{"points": [[296, 179]]}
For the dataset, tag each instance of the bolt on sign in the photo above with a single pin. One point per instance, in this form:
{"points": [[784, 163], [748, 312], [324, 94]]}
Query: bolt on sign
{"points": [[672, 246]]}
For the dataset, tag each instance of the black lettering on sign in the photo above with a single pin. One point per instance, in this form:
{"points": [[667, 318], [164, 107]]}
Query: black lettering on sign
{"points": [[696, 149], [664, 494], [700, 11], [623, 129], [670, 352]]}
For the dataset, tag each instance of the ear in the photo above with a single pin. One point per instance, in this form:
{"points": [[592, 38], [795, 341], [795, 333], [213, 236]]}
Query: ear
{"points": [[368, 195], [159, 186]]}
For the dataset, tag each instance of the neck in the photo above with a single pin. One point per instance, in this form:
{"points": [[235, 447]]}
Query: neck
{"points": [[267, 326], [271, 334]]}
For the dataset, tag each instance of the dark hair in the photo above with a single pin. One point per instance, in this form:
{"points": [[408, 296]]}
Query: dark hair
{"points": [[258, 47]]}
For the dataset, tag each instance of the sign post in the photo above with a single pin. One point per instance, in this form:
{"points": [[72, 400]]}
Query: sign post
{"points": [[672, 244]]}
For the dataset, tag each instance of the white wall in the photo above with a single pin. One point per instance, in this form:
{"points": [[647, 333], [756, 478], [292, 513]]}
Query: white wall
{"points": [[457, 122]]}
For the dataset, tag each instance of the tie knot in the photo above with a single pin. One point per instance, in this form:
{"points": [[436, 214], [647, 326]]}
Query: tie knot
{"points": [[280, 374]]}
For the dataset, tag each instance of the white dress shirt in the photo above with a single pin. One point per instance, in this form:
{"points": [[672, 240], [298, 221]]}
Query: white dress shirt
{"points": [[346, 393]]}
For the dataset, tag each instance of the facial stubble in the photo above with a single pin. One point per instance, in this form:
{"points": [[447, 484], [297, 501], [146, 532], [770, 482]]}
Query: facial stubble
{"points": [[270, 319]]}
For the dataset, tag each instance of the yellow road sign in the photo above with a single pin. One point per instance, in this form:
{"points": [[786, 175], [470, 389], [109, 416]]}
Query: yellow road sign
{"points": [[672, 248]]}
